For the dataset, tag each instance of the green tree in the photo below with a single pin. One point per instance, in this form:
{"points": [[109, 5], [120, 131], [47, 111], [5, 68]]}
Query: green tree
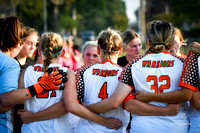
{"points": [[98, 15], [91, 14], [186, 10], [31, 13]]}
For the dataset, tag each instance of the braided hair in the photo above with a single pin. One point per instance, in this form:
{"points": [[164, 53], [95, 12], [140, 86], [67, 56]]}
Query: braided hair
{"points": [[161, 36], [109, 41], [51, 46]]}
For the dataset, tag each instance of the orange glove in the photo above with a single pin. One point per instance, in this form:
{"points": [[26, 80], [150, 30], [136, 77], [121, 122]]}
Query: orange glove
{"points": [[48, 82]]}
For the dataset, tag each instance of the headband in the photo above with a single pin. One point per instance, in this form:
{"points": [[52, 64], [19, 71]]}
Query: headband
{"points": [[53, 54]]}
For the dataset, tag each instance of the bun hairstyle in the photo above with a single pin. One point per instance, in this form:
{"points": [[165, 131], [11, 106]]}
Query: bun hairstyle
{"points": [[51, 46], [160, 35], [109, 41]]}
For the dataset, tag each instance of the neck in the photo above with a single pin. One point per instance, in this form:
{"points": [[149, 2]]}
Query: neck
{"points": [[21, 59], [112, 58], [178, 53], [54, 60], [8, 53]]}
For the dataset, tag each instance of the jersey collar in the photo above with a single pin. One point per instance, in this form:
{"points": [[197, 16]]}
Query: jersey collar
{"points": [[164, 52], [108, 61]]}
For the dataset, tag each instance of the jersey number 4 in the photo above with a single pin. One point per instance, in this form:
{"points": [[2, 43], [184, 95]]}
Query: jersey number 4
{"points": [[103, 91], [159, 79]]}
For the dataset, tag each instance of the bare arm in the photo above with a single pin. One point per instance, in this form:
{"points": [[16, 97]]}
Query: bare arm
{"points": [[177, 96], [18, 96], [70, 99], [136, 107], [52, 112], [114, 101], [195, 101], [4, 109], [9, 99]]}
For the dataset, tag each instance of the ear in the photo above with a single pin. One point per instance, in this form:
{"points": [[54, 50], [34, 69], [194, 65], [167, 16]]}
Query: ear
{"points": [[39, 51], [98, 50], [148, 44], [20, 46], [63, 53]]}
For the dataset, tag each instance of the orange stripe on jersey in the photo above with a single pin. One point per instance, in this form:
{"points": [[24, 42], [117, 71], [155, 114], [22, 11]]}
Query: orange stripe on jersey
{"points": [[181, 84], [164, 52], [78, 101], [108, 61], [130, 96], [131, 87]]}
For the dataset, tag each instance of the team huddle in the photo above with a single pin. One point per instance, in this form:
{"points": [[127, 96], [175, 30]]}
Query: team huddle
{"points": [[155, 93]]}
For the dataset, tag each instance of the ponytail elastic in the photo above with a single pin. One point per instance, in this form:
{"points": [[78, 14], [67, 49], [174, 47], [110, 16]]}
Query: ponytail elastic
{"points": [[55, 53]]}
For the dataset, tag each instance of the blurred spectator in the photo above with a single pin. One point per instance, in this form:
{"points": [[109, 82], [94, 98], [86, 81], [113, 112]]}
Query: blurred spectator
{"points": [[72, 56], [178, 42], [90, 55]]}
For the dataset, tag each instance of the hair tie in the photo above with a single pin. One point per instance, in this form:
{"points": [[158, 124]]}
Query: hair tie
{"points": [[164, 44], [53, 54]]}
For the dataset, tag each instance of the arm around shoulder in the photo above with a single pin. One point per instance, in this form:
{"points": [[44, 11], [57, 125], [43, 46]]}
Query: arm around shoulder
{"points": [[52, 112], [72, 106]]}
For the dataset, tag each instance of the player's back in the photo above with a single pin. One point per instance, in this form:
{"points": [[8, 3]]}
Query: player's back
{"points": [[43, 101], [99, 82], [159, 73]]}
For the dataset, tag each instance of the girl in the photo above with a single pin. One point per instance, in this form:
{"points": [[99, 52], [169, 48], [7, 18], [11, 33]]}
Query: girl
{"points": [[97, 82], [89, 51], [133, 47], [178, 42], [24, 60]]}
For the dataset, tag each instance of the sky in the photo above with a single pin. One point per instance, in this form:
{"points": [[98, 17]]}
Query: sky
{"points": [[131, 6]]}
